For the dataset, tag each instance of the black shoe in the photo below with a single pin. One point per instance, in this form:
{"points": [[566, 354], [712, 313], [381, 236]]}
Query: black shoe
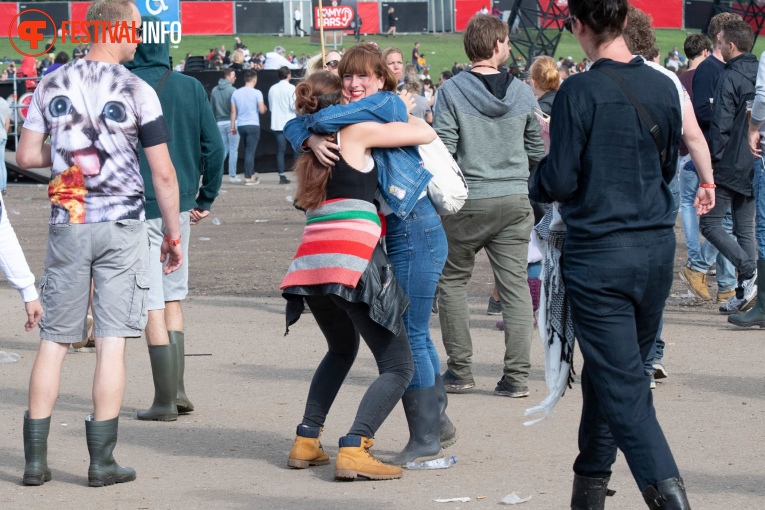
{"points": [[505, 389], [589, 493], [284, 180], [494, 308], [454, 385], [668, 494]]}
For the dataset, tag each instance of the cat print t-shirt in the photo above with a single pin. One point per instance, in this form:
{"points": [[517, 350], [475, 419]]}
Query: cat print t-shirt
{"points": [[95, 114]]}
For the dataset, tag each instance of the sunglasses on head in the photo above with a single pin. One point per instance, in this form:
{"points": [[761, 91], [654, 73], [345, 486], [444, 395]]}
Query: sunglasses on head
{"points": [[333, 64], [567, 25]]}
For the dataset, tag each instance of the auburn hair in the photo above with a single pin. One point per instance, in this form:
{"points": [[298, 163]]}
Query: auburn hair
{"points": [[318, 91], [365, 58]]}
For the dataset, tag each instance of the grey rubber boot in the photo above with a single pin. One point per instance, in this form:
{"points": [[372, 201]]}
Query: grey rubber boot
{"points": [[756, 315], [182, 401], [589, 493], [668, 494], [102, 438], [448, 434], [423, 417], [164, 370], [36, 471]]}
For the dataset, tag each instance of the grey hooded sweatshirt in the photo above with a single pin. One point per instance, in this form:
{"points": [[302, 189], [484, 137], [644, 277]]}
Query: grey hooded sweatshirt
{"points": [[221, 100], [492, 139]]}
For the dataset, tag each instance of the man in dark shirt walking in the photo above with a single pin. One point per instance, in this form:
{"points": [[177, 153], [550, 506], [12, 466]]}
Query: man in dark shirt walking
{"points": [[732, 161], [619, 247]]}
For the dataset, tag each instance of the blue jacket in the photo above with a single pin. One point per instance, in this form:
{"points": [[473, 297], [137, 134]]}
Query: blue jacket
{"points": [[402, 175]]}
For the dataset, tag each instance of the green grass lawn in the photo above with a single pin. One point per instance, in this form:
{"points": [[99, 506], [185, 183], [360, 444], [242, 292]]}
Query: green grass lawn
{"points": [[440, 50]]}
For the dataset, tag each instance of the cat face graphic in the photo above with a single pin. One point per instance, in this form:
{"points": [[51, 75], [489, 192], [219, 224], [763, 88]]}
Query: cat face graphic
{"points": [[87, 132]]}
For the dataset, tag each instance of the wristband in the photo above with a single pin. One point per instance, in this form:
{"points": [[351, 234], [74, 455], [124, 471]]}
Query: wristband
{"points": [[172, 242], [707, 185]]}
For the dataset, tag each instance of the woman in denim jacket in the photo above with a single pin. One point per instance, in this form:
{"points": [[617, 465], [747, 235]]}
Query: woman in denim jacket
{"points": [[415, 238]]}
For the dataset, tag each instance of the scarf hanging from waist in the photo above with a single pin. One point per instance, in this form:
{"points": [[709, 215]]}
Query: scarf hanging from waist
{"points": [[337, 244]]}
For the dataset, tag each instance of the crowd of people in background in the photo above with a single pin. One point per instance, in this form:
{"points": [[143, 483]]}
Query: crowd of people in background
{"points": [[609, 290]]}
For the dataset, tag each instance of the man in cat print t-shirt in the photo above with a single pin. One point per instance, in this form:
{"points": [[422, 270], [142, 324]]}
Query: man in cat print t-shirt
{"points": [[95, 112]]}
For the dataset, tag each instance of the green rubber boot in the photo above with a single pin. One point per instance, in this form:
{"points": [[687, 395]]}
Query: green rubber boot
{"points": [[36, 471], [164, 370], [756, 315], [448, 430], [102, 438], [182, 401], [423, 418]]}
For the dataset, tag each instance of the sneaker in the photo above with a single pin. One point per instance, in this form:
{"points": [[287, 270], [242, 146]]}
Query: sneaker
{"points": [[252, 181], [750, 290], [697, 282], [661, 372], [725, 295], [87, 344], [733, 305], [234, 178], [494, 308], [505, 389], [454, 385], [653, 381], [90, 346], [284, 180]]}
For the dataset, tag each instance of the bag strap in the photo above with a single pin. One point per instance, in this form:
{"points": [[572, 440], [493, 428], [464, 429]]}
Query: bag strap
{"points": [[658, 136], [161, 84]]}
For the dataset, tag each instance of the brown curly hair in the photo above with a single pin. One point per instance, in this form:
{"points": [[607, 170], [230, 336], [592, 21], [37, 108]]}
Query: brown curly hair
{"points": [[318, 91], [639, 34]]}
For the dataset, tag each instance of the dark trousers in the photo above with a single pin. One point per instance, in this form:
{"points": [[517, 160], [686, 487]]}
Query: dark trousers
{"points": [[281, 148], [740, 250], [298, 27], [342, 322], [250, 136], [617, 289]]}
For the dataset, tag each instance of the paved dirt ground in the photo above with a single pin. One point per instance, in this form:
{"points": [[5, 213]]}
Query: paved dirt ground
{"points": [[249, 383]]}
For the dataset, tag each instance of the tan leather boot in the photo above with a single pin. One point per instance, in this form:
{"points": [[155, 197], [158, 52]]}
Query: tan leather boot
{"points": [[307, 450], [354, 460]]}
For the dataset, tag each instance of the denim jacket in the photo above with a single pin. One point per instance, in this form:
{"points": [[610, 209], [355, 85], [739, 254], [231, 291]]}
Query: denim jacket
{"points": [[402, 175]]}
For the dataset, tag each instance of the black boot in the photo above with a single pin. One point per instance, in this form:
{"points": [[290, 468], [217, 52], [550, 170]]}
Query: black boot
{"points": [[448, 430], [165, 373], [36, 471], [589, 493], [102, 438], [182, 401], [422, 416], [668, 494], [756, 315]]}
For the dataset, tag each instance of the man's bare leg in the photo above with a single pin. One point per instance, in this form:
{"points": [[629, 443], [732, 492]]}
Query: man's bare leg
{"points": [[46, 379], [173, 316], [156, 329], [109, 379]]}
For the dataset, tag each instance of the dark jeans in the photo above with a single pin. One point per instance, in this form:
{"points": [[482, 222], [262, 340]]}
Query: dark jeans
{"points": [[298, 28], [342, 322], [741, 250], [250, 136], [281, 148], [617, 288]]}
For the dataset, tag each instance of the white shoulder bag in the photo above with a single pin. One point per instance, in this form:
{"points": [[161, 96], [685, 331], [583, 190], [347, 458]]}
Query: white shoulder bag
{"points": [[447, 189]]}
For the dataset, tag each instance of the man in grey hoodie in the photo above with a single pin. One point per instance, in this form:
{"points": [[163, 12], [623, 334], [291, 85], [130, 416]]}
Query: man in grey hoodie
{"points": [[485, 118], [221, 105]]}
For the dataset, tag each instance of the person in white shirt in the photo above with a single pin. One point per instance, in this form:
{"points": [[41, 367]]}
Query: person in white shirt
{"points": [[281, 101], [15, 268], [276, 60], [298, 17]]}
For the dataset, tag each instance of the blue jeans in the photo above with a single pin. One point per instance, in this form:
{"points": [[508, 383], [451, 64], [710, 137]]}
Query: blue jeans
{"points": [[417, 249], [759, 200], [3, 171], [702, 256], [251, 135], [231, 144], [281, 147]]}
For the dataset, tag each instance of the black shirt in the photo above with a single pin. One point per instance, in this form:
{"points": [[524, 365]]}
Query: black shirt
{"points": [[604, 166]]}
